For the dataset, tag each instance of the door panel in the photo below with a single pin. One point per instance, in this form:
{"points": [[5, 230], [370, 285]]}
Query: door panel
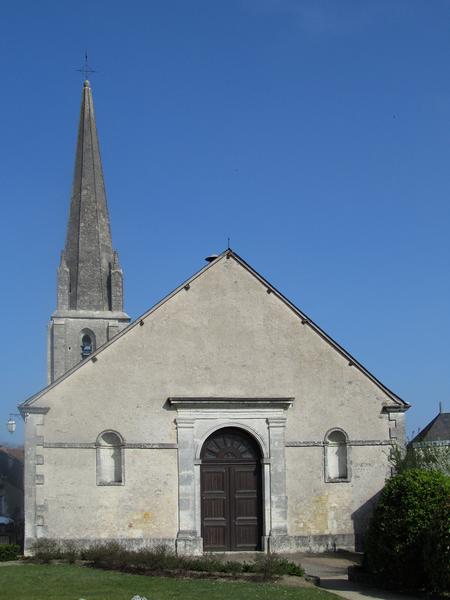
{"points": [[245, 503], [215, 506]]}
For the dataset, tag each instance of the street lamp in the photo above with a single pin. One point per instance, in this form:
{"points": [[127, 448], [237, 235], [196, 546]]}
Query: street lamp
{"points": [[11, 424]]}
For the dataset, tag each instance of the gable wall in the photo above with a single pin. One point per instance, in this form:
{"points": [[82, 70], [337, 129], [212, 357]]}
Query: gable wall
{"points": [[224, 336]]}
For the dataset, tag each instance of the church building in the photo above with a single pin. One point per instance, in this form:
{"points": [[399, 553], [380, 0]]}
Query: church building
{"points": [[222, 419]]}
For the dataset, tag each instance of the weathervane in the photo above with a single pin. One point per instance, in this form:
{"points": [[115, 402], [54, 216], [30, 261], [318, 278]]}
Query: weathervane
{"points": [[86, 69]]}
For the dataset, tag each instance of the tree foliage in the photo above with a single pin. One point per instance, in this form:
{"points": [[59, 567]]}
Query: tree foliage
{"points": [[410, 523], [427, 457]]}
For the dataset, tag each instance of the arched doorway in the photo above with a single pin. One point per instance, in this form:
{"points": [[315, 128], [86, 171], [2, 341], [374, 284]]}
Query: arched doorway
{"points": [[231, 491]]}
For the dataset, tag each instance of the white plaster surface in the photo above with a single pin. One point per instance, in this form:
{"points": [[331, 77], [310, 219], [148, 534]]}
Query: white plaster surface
{"points": [[226, 337]]}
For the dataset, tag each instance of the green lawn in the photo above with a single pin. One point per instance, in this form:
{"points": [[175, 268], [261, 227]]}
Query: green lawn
{"points": [[69, 582]]}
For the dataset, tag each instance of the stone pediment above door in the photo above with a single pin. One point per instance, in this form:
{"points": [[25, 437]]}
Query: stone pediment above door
{"points": [[211, 403], [255, 414]]}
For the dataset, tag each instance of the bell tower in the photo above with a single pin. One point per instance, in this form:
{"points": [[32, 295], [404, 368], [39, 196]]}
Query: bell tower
{"points": [[90, 280]]}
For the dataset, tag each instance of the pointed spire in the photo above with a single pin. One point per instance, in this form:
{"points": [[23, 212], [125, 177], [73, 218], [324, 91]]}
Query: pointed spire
{"points": [[88, 250]]}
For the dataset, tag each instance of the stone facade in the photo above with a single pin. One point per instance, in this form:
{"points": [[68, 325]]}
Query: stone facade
{"points": [[225, 349]]}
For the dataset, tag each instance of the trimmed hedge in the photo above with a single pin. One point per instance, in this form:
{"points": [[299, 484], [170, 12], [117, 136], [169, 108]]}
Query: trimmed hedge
{"points": [[409, 536], [9, 552]]}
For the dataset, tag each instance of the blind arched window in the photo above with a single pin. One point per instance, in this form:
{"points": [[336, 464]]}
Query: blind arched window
{"points": [[336, 456], [109, 459]]}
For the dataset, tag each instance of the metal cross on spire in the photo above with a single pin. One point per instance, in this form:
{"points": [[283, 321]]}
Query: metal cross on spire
{"points": [[86, 69]]}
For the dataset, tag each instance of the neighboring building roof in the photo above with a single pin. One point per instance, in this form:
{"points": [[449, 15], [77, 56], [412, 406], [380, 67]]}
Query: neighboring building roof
{"points": [[399, 404], [17, 453], [438, 430], [11, 466]]}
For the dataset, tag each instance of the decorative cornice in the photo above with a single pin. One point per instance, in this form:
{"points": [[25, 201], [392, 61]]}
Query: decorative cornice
{"points": [[395, 409], [33, 410], [90, 314], [211, 402]]}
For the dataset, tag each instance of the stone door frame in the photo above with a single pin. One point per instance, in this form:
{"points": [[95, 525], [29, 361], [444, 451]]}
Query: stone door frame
{"points": [[265, 420]]}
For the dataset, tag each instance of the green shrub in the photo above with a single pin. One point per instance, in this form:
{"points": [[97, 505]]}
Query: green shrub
{"points": [[9, 552], [270, 565], [161, 558], [406, 512], [108, 555], [437, 549], [112, 555], [45, 549], [286, 567], [70, 551]]}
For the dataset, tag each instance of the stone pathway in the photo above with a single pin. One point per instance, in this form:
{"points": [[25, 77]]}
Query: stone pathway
{"points": [[332, 572]]}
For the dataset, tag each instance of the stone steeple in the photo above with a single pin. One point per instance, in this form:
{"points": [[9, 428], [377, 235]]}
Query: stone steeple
{"points": [[90, 279], [88, 254]]}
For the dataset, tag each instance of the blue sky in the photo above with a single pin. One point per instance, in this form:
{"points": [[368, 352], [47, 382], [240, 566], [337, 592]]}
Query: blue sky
{"points": [[313, 133]]}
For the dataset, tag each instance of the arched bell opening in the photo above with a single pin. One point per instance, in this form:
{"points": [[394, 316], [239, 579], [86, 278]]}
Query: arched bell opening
{"points": [[231, 491], [87, 343]]}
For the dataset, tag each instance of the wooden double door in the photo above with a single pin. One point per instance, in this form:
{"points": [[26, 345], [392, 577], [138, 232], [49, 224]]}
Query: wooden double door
{"points": [[231, 492]]}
